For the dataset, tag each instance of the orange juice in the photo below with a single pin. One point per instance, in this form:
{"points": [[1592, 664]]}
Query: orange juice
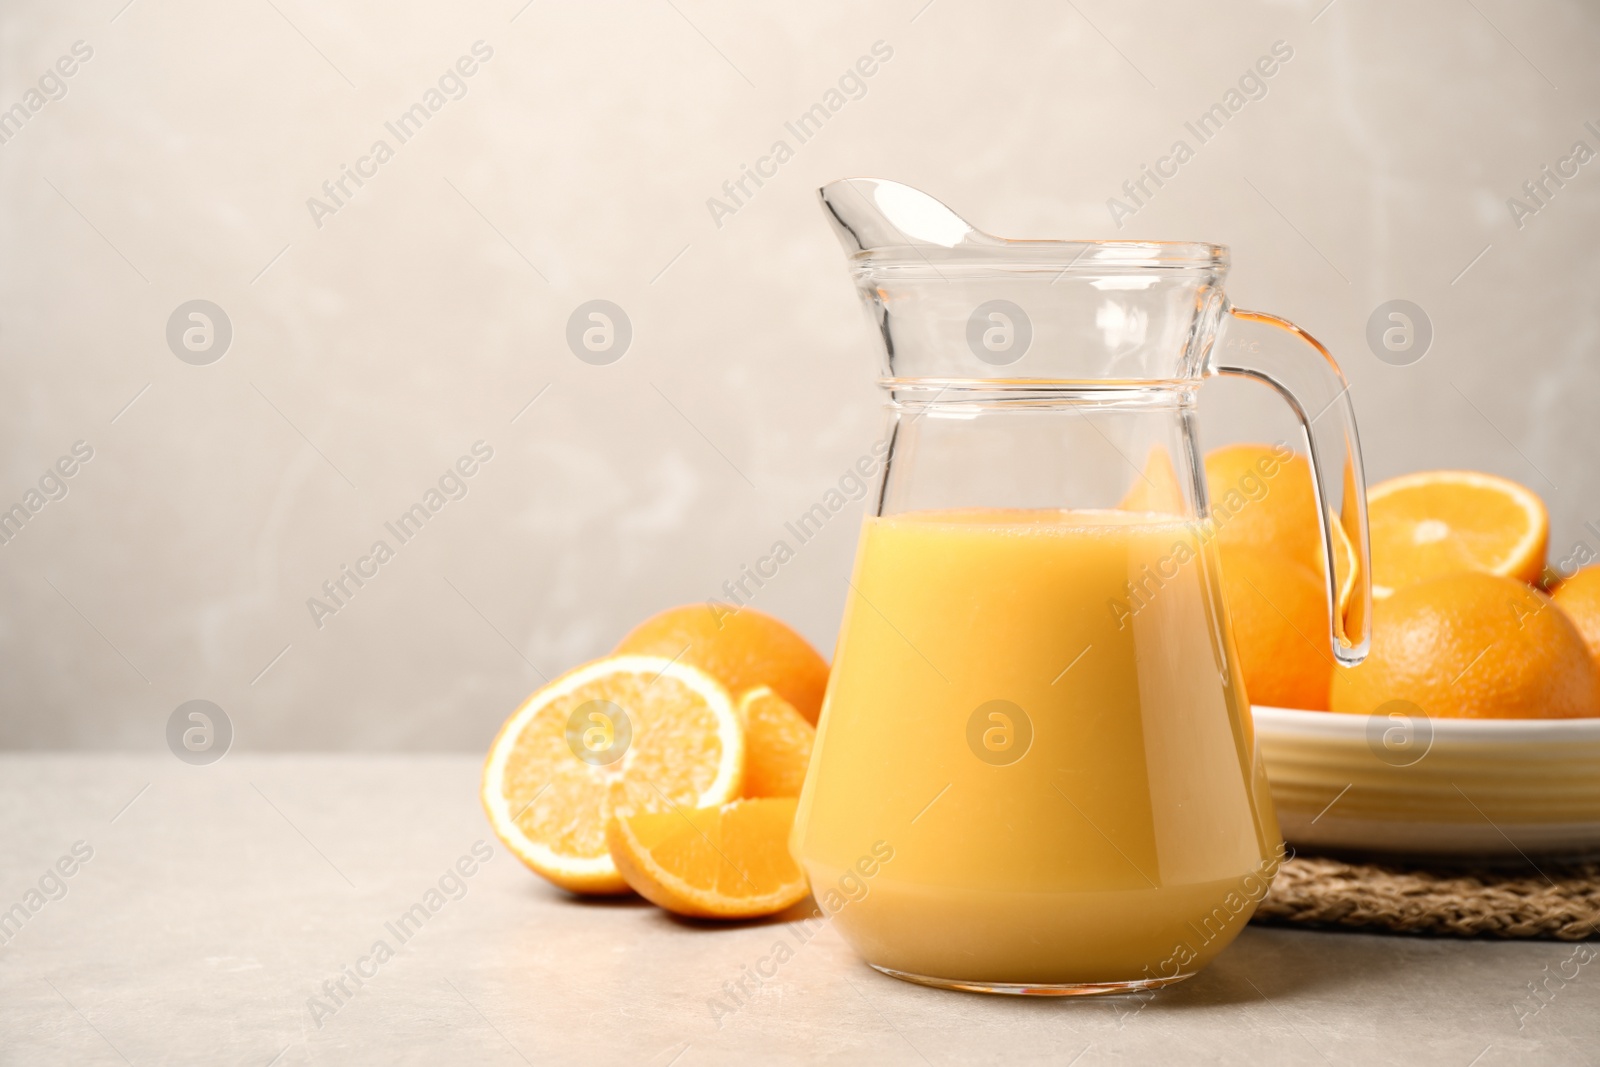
{"points": [[1037, 716]]}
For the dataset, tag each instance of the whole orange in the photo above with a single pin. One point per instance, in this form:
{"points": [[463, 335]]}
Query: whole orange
{"points": [[1261, 498], [741, 649], [1579, 597], [1262, 501], [1475, 646], [1278, 609]]}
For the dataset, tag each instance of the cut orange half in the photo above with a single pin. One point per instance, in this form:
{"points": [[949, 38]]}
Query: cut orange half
{"points": [[727, 862], [1433, 523], [666, 732], [777, 744]]}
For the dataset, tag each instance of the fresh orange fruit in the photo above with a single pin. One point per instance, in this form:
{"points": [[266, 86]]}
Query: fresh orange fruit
{"points": [[777, 744], [669, 728], [1474, 646], [1579, 597], [1346, 569], [741, 649], [726, 862], [1278, 608], [1262, 499], [1434, 522]]}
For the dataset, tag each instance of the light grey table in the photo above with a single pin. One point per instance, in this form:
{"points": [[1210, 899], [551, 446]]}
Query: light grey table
{"points": [[219, 900]]}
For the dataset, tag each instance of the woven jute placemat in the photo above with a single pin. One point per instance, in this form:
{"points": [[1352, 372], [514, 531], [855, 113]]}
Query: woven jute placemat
{"points": [[1558, 901]]}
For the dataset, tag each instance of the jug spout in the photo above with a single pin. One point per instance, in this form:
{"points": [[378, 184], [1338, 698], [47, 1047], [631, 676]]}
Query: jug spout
{"points": [[953, 302], [965, 317], [872, 214]]}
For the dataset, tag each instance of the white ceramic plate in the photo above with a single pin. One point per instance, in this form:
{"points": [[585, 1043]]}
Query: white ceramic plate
{"points": [[1464, 787]]}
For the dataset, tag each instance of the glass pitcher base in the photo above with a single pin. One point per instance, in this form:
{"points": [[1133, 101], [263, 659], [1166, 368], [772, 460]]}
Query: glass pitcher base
{"points": [[1041, 989]]}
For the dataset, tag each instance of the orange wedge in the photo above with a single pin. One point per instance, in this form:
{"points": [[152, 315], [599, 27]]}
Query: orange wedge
{"points": [[777, 744], [666, 731], [1432, 523], [726, 862]]}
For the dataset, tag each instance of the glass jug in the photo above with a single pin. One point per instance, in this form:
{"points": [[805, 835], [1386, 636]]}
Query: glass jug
{"points": [[1035, 770]]}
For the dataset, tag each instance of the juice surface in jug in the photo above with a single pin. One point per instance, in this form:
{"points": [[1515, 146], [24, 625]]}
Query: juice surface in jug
{"points": [[1037, 715]]}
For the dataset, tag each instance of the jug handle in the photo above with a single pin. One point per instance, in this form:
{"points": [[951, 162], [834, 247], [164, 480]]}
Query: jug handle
{"points": [[1252, 345]]}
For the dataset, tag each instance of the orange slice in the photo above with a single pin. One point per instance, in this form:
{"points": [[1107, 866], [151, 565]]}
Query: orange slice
{"points": [[666, 729], [1432, 523], [777, 745], [727, 862]]}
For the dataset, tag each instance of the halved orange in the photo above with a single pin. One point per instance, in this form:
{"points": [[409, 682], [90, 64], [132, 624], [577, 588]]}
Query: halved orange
{"points": [[777, 744], [725, 862], [1432, 523], [667, 729]]}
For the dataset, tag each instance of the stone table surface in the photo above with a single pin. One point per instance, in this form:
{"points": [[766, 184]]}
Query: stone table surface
{"points": [[216, 902]]}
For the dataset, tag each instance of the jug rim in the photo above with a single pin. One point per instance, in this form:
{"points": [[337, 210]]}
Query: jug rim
{"points": [[1062, 256], [885, 224]]}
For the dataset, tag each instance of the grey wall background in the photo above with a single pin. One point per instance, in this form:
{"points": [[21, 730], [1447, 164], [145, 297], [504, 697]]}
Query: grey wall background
{"points": [[368, 354]]}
